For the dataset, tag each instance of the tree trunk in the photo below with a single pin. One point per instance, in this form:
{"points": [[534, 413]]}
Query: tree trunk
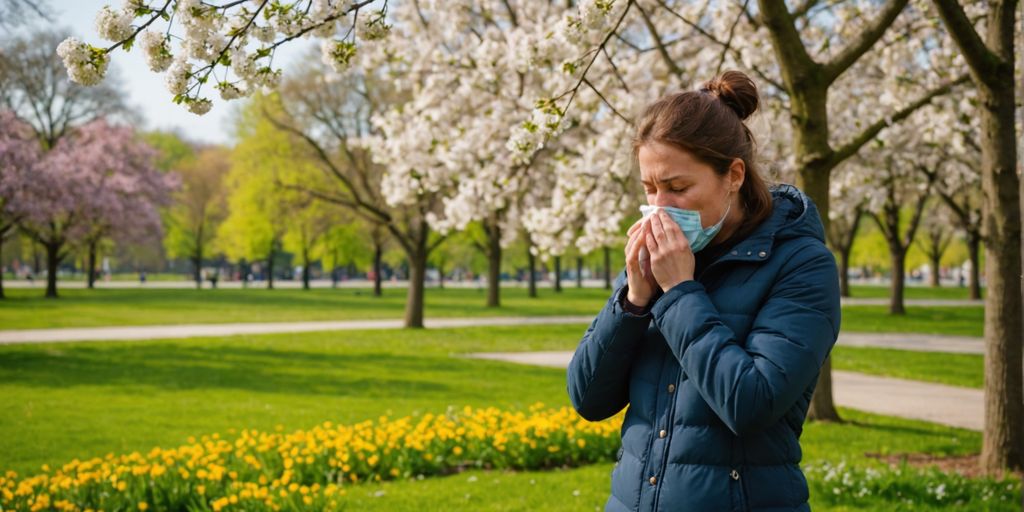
{"points": [[558, 274], [1003, 438], [91, 280], [52, 262], [844, 272], [579, 272], [992, 71], [270, 264], [440, 276], [493, 266], [2, 296], [898, 256], [36, 264], [607, 268], [532, 263], [935, 261], [417, 276], [378, 254], [974, 253], [814, 181], [305, 268]]}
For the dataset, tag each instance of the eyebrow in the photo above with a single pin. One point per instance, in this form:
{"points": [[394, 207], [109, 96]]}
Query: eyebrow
{"points": [[664, 180]]}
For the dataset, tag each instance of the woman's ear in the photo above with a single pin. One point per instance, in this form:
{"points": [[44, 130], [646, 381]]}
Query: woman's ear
{"points": [[737, 173]]}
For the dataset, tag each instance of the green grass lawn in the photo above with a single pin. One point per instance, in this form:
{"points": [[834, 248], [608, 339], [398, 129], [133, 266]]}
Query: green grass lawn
{"points": [[966, 370], [88, 399], [25, 309], [79, 400], [912, 292], [958, 321]]}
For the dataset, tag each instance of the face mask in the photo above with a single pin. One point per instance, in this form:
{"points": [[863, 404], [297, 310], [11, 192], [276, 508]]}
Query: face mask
{"points": [[690, 224]]}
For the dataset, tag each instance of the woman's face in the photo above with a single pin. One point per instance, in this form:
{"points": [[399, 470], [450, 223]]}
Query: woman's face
{"points": [[673, 177]]}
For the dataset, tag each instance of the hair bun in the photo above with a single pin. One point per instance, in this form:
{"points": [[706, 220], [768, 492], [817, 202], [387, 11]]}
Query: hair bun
{"points": [[735, 89]]}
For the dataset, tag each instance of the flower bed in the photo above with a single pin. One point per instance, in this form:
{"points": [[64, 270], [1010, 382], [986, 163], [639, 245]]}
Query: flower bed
{"points": [[308, 470]]}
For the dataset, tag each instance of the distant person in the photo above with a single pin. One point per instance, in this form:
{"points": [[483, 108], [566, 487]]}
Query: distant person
{"points": [[142, 277], [717, 329]]}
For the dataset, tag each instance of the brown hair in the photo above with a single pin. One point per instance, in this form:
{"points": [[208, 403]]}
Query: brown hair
{"points": [[709, 125]]}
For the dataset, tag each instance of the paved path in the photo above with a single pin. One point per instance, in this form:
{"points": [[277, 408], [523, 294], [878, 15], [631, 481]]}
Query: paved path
{"points": [[937, 403], [918, 342], [194, 330]]}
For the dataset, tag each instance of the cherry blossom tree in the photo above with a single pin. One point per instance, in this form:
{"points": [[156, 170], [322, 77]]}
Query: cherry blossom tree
{"points": [[98, 181], [833, 75], [937, 235], [127, 191], [331, 115], [19, 155]]}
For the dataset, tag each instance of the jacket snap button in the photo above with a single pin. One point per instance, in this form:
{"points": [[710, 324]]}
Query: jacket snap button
{"points": [[762, 254], [662, 434], [734, 474], [748, 253], [654, 480], [671, 388]]}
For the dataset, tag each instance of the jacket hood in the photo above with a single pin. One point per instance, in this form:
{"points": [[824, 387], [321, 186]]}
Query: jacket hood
{"points": [[794, 215]]}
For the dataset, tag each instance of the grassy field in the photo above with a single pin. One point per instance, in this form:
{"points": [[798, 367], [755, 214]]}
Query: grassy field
{"points": [[912, 292], [25, 309], [966, 370], [88, 399], [79, 400]]}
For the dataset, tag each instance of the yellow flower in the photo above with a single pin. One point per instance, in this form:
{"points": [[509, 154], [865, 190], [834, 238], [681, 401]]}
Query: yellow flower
{"points": [[143, 505]]}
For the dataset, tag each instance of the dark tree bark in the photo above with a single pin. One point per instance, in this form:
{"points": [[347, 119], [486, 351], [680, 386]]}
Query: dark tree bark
{"points": [[579, 272], [991, 61], [271, 256], [532, 271], [2, 236], [607, 268], [899, 242], [558, 274], [936, 241], [91, 279], [841, 235], [53, 259], [493, 253], [378, 256], [417, 275], [305, 268], [974, 253]]}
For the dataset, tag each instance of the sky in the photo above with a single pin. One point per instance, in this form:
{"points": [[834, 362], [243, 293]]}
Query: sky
{"points": [[146, 90]]}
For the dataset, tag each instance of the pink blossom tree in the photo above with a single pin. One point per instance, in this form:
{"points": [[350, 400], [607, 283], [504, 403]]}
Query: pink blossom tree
{"points": [[97, 182], [19, 153]]}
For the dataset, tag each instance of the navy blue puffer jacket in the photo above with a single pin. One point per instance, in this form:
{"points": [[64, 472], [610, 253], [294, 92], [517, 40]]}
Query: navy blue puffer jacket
{"points": [[719, 374]]}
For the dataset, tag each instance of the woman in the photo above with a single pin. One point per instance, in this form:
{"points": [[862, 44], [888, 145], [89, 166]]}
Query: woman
{"points": [[715, 339]]}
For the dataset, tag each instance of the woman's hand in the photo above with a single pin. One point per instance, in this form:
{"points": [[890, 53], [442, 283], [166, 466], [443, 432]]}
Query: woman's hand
{"points": [[672, 259], [639, 277]]}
